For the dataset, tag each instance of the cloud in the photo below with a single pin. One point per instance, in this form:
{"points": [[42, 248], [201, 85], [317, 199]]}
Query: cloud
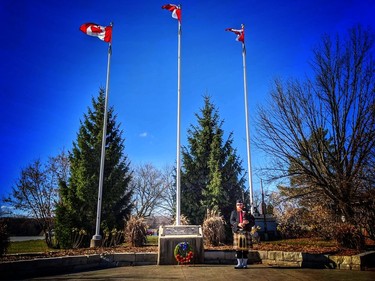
{"points": [[143, 135], [5, 210]]}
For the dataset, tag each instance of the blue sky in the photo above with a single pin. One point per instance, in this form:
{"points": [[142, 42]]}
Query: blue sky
{"points": [[50, 70]]}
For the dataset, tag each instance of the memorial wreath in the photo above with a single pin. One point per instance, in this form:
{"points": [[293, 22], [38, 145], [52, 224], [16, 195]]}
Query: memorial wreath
{"points": [[183, 253]]}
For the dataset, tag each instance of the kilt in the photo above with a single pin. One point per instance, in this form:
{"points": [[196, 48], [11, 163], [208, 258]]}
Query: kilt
{"points": [[242, 241]]}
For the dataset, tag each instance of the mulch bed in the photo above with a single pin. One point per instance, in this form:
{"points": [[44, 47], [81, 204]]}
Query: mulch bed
{"points": [[332, 250], [78, 252]]}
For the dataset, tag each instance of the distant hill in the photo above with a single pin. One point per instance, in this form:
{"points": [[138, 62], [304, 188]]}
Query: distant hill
{"points": [[22, 226]]}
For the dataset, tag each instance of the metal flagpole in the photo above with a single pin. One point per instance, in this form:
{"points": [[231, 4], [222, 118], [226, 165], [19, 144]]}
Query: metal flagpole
{"points": [[247, 127], [96, 239], [264, 212], [178, 172]]}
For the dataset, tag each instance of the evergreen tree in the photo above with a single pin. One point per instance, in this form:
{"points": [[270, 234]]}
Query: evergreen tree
{"points": [[78, 204], [212, 176]]}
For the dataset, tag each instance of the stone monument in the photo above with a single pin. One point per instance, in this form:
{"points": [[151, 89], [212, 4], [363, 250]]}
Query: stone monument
{"points": [[171, 235]]}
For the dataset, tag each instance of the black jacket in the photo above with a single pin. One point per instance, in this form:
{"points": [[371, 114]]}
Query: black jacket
{"points": [[235, 220]]}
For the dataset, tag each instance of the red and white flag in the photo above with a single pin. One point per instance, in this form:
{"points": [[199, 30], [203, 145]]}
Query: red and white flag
{"points": [[102, 32], [175, 9], [239, 32]]}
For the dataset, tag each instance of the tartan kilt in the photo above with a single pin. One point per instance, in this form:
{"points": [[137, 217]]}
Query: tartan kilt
{"points": [[242, 240]]}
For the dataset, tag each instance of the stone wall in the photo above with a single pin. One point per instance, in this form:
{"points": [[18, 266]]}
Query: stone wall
{"points": [[39, 267]]}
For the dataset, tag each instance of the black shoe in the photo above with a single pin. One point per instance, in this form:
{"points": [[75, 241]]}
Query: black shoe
{"points": [[238, 267]]}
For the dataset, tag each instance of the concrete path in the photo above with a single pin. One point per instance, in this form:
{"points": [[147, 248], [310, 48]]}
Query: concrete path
{"points": [[214, 272]]}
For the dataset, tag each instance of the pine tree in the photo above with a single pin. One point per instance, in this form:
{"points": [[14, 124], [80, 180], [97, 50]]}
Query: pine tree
{"points": [[78, 204], [212, 176]]}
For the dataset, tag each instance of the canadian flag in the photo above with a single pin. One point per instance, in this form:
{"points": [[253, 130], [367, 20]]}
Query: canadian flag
{"points": [[240, 33], [102, 32], [175, 9]]}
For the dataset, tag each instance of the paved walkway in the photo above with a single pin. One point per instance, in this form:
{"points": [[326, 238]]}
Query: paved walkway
{"points": [[214, 272]]}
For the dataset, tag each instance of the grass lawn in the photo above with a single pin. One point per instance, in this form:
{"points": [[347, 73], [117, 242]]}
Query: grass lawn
{"points": [[32, 246], [36, 246], [152, 240]]}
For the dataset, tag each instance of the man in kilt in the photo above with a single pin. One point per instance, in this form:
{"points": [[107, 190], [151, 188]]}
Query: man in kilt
{"points": [[241, 222]]}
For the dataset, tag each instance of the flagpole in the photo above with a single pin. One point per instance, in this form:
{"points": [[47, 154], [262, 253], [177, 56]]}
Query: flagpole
{"points": [[96, 239], [178, 172], [247, 128]]}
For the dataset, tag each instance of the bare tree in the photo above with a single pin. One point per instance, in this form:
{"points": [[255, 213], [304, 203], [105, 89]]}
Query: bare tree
{"points": [[59, 168], [36, 191], [168, 203], [150, 188], [321, 132]]}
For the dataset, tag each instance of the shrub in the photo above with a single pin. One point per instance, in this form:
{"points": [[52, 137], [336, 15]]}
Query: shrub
{"points": [[213, 228], [183, 220], [349, 236], [290, 230], [292, 223], [63, 227], [112, 238], [254, 234], [4, 239], [77, 237], [136, 231]]}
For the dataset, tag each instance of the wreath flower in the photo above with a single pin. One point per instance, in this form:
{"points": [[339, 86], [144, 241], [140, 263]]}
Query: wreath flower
{"points": [[183, 253]]}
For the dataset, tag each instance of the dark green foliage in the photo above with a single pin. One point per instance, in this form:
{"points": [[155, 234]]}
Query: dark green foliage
{"points": [[19, 226], [211, 176], [78, 205], [67, 216], [4, 238]]}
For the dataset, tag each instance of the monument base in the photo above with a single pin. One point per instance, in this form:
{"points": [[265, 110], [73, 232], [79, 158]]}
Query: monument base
{"points": [[171, 235]]}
